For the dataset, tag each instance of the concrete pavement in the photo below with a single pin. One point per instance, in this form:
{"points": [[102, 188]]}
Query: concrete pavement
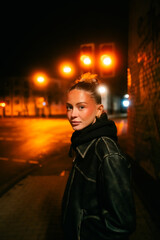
{"points": [[31, 211]]}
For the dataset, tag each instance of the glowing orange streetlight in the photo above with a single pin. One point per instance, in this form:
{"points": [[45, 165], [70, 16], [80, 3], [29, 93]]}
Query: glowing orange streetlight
{"points": [[66, 69], [2, 104], [40, 78]]}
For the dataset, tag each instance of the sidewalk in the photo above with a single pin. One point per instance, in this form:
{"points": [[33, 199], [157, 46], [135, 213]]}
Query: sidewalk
{"points": [[31, 211], [146, 228]]}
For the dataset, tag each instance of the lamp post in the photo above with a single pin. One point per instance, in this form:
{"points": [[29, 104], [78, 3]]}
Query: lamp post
{"points": [[40, 80], [2, 105]]}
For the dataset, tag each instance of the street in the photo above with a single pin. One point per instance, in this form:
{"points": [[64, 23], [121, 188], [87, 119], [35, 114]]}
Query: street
{"points": [[27, 140], [27, 143], [35, 153]]}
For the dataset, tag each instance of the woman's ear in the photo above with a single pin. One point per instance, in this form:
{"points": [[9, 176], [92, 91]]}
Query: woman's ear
{"points": [[99, 110]]}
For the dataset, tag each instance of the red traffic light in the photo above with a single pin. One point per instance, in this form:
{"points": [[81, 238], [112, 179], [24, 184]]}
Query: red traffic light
{"points": [[107, 60], [87, 56], [86, 60]]}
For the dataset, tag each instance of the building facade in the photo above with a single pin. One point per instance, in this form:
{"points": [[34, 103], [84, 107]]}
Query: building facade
{"points": [[24, 98], [144, 85]]}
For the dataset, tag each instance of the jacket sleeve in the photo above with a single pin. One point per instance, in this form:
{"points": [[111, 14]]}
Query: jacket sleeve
{"points": [[115, 195]]}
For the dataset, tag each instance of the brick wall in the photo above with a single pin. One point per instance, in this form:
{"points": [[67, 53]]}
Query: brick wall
{"points": [[144, 84]]}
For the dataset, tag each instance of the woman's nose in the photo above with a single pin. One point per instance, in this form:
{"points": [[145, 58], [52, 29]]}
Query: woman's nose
{"points": [[74, 113]]}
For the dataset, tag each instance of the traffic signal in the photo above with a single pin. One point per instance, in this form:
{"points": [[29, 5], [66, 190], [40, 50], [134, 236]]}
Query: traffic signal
{"points": [[87, 55], [107, 60]]}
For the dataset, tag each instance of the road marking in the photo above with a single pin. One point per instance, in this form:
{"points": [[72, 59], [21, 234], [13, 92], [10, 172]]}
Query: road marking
{"points": [[33, 162], [10, 139], [19, 160], [4, 158]]}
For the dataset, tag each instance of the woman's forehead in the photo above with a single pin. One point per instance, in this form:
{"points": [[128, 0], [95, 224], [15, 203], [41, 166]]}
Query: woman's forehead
{"points": [[79, 96]]}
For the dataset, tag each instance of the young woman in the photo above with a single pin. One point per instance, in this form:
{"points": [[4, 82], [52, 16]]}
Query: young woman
{"points": [[98, 201]]}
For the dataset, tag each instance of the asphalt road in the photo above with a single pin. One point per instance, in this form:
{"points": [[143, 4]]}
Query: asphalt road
{"points": [[28, 143]]}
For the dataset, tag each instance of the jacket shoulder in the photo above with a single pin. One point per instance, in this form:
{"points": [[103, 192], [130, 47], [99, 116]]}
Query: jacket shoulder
{"points": [[105, 146]]}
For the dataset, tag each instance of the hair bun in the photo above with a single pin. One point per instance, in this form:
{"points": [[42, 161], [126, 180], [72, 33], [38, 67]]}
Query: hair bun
{"points": [[88, 78]]}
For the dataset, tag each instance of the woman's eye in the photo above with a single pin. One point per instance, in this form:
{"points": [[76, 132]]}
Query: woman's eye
{"points": [[81, 107], [68, 108]]}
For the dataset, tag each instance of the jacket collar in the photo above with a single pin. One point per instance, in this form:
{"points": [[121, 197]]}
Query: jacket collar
{"points": [[83, 148]]}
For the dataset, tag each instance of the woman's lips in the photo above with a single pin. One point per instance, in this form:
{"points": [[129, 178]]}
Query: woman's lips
{"points": [[75, 123]]}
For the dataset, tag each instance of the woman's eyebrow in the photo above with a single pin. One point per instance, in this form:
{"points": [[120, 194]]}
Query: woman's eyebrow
{"points": [[77, 103], [81, 103], [68, 103]]}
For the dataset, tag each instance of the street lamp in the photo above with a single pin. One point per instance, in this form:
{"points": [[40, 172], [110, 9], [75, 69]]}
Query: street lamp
{"points": [[2, 104], [66, 69], [39, 91], [102, 89], [40, 79]]}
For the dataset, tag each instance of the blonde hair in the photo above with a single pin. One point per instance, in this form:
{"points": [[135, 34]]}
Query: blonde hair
{"points": [[88, 78], [88, 82]]}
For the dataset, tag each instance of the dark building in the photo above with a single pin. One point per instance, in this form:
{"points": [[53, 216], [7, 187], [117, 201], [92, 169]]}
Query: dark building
{"points": [[144, 92], [144, 84]]}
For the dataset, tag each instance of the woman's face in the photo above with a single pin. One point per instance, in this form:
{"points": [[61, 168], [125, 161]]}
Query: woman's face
{"points": [[81, 109]]}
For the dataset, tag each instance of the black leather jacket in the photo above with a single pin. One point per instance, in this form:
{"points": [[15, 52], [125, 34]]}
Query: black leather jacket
{"points": [[98, 201]]}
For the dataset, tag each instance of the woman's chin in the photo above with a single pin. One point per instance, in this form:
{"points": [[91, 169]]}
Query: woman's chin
{"points": [[76, 128]]}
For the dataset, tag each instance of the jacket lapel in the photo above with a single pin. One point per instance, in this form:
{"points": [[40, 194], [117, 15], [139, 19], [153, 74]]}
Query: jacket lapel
{"points": [[83, 148]]}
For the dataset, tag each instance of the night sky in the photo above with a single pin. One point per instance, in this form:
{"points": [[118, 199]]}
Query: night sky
{"points": [[39, 36]]}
